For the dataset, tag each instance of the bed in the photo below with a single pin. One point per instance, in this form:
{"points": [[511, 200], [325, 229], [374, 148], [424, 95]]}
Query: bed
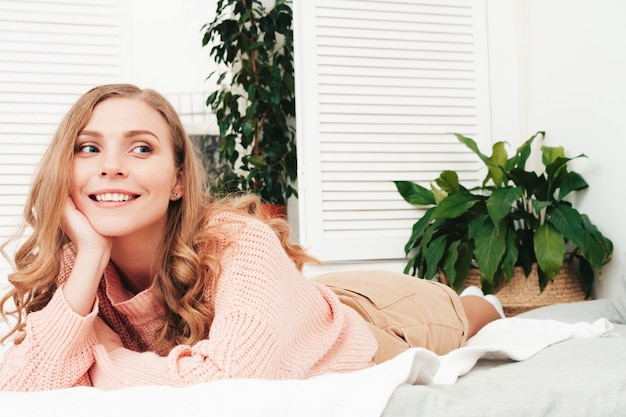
{"points": [[572, 375], [577, 377]]}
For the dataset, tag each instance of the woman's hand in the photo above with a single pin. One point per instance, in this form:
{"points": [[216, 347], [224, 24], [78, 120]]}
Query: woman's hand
{"points": [[106, 336], [81, 232], [93, 252]]}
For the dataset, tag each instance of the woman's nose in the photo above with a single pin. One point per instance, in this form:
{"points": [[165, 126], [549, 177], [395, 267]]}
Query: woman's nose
{"points": [[112, 166]]}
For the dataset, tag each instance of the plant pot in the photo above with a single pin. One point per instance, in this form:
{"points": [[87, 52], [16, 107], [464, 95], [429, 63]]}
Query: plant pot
{"points": [[522, 294], [274, 211]]}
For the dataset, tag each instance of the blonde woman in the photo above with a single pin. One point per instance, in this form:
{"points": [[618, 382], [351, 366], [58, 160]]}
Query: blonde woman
{"points": [[132, 275]]}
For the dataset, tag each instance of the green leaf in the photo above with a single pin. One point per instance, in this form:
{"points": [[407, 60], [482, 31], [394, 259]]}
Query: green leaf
{"points": [[433, 255], [510, 255], [410, 268], [455, 205], [418, 231], [597, 249], [257, 161], [251, 92], [568, 221], [449, 182], [550, 155], [526, 252], [604, 244], [438, 194], [496, 163], [247, 128], [429, 233], [449, 264], [463, 263], [498, 154], [415, 193], [556, 166], [593, 253], [500, 202], [523, 152], [489, 250], [471, 144], [586, 275], [549, 246], [572, 181], [257, 45], [528, 180], [543, 279], [211, 98]]}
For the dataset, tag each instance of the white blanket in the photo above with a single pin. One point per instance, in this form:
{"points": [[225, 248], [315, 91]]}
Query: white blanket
{"points": [[362, 393]]}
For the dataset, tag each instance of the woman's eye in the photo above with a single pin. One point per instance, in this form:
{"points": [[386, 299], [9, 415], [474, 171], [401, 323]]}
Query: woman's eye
{"points": [[142, 150], [87, 149]]}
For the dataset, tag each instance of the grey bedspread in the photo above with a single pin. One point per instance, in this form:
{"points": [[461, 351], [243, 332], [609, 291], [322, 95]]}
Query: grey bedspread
{"points": [[578, 377]]}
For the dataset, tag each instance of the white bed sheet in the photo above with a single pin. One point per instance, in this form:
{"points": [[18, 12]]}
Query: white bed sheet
{"points": [[363, 393]]}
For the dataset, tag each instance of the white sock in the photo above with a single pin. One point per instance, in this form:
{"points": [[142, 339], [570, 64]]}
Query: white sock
{"points": [[472, 290]]}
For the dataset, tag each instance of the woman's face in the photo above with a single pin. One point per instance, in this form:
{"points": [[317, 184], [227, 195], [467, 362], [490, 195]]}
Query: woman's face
{"points": [[123, 170]]}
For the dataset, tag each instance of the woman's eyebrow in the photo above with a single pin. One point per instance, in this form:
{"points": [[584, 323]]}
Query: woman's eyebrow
{"points": [[89, 133], [129, 134], [132, 133]]}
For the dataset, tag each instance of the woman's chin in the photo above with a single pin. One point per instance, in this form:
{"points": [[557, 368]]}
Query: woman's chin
{"points": [[108, 230]]}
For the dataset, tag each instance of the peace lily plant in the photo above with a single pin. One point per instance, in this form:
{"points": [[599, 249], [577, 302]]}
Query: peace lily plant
{"points": [[516, 217]]}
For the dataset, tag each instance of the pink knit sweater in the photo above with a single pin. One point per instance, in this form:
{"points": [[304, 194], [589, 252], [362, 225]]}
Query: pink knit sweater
{"points": [[270, 323]]}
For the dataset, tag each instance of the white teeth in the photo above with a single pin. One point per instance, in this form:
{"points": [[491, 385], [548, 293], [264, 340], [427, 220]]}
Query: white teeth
{"points": [[113, 197]]}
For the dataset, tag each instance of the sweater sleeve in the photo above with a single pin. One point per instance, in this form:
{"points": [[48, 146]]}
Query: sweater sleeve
{"points": [[56, 353], [270, 323], [206, 361]]}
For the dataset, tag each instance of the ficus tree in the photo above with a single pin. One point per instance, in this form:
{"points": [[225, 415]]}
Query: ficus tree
{"points": [[255, 100]]}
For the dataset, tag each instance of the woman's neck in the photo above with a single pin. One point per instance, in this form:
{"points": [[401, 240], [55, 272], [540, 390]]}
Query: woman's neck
{"points": [[136, 260]]}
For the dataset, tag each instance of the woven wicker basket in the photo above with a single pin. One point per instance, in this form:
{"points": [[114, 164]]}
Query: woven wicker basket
{"points": [[522, 294]]}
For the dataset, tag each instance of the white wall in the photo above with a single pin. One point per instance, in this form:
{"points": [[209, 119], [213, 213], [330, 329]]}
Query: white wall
{"points": [[162, 44], [161, 48], [560, 66]]}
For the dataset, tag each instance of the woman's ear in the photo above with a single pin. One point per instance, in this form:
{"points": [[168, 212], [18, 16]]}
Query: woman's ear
{"points": [[177, 189]]}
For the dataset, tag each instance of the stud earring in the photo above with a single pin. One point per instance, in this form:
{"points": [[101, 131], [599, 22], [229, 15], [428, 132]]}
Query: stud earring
{"points": [[175, 194]]}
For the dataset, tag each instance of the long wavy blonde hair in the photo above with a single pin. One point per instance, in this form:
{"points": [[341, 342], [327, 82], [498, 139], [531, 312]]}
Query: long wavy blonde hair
{"points": [[183, 273]]}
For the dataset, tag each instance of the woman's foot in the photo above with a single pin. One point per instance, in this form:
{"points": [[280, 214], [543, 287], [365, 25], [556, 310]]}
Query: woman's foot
{"points": [[493, 300], [496, 304], [480, 310]]}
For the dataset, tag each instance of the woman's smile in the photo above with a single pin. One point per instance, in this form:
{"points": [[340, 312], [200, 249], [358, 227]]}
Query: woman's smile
{"points": [[112, 197]]}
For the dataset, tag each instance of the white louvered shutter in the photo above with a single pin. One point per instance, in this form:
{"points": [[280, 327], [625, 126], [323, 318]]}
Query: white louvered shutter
{"points": [[381, 87], [51, 52]]}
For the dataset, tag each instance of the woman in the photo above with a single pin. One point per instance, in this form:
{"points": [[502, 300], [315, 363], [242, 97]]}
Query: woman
{"points": [[133, 276]]}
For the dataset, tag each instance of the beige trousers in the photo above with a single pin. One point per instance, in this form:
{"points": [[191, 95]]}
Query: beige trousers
{"points": [[402, 311]]}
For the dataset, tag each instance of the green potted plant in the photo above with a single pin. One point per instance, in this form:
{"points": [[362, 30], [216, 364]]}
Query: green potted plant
{"points": [[516, 217], [255, 109]]}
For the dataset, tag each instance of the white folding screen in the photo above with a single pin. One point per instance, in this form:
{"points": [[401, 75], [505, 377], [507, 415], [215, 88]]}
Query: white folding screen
{"points": [[50, 53], [381, 87]]}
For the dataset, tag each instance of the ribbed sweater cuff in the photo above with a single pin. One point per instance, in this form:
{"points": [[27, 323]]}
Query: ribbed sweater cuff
{"points": [[58, 326], [123, 368]]}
